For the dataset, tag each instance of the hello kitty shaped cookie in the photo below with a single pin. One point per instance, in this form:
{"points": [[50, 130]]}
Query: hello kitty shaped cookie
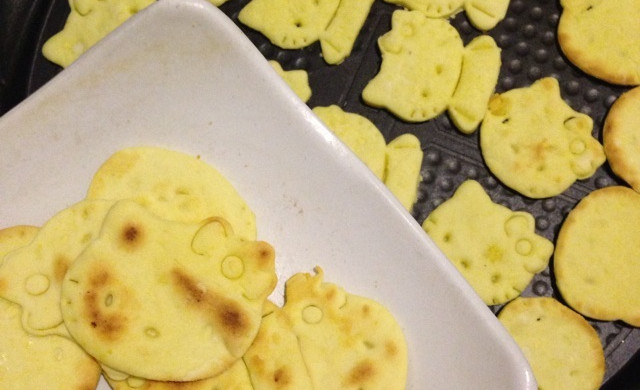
{"points": [[494, 248], [347, 341], [32, 276], [164, 300], [483, 14], [289, 24], [426, 70], [535, 143]]}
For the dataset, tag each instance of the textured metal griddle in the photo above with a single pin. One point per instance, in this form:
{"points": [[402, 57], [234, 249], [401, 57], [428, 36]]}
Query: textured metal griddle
{"points": [[530, 51]]}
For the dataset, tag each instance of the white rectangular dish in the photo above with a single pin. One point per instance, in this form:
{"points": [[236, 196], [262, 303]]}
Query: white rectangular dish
{"points": [[181, 75]]}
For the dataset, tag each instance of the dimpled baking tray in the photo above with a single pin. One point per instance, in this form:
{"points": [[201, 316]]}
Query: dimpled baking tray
{"points": [[527, 37]]}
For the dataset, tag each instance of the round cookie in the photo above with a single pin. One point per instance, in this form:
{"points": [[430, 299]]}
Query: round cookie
{"points": [[596, 261], [174, 186], [602, 37], [38, 362], [563, 349], [621, 137]]}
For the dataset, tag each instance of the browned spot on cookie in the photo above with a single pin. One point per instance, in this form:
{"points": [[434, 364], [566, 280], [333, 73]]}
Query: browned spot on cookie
{"points": [[110, 324], [330, 294], [132, 235], [231, 317], [3, 285], [361, 372], [265, 254], [366, 310], [391, 348], [228, 315], [282, 377], [60, 267]]}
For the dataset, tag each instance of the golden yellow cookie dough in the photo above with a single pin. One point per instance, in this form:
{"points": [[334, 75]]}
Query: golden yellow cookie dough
{"points": [[298, 80], [289, 24], [596, 259], [88, 22], [347, 341], [494, 248], [621, 137], [563, 349], [397, 164], [174, 185], [602, 37], [426, 70], [165, 300], [483, 14], [37, 362], [535, 143], [340, 35], [32, 275], [235, 377]]}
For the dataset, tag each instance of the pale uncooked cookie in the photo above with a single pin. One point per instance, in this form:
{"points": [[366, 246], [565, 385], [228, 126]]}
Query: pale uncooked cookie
{"points": [[397, 164], [298, 80], [357, 132], [88, 22], [32, 275], [426, 70], [173, 185], [596, 259], [494, 248], [483, 14], [563, 349], [339, 37], [289, 24], [402, 174], [38, 362], [419, 72]]}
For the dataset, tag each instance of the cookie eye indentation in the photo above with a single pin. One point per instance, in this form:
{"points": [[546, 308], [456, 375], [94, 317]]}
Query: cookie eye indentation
{"points": [[312, 314]]}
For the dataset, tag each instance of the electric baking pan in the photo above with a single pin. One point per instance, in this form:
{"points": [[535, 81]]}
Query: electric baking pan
{"points": [[527, 37]]}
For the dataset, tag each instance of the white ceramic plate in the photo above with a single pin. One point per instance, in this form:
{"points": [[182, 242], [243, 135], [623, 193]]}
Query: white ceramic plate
{"points": [[181, 75]]}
